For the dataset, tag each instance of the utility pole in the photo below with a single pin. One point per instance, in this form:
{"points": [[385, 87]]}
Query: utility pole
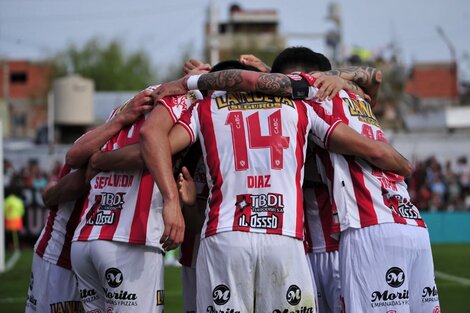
{"points": [[449, 44], [335, 38], [213, 34], [453, 55]]}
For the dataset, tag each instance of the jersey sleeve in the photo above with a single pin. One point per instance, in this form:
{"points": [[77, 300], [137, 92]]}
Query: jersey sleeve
{"points": [[189, 121], [168, 103], [322, 124]]}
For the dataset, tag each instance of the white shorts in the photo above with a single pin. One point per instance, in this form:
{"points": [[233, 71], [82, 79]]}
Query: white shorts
{"points": [[118, 277], [188, 279], [251, 272], [387, 268], [325, 268], [52, 289]]}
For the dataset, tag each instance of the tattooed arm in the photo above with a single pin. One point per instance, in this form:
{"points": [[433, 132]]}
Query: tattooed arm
{"points": [[232, 80], [367, 78]]}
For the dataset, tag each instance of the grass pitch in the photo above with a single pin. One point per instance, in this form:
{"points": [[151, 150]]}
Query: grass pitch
{"points": [[452, 260]]}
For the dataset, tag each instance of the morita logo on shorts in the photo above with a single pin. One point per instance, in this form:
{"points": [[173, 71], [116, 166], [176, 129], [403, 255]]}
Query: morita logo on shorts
{"points": [[386, 298], [257, 221], [429, 294], [437, 309], [211, 309], [221, 294], [395, 277], [88, 295], [293, 295], [114, 277]]}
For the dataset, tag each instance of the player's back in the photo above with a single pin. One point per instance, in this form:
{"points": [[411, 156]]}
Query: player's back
{"points": [[126, 206], [254, 149], [364, 194]]}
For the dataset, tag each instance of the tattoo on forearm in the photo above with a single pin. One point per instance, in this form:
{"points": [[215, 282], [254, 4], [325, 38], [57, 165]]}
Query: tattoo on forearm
{"points": [[274, 83], [352, 86], [364, 76], [238, 80], [223, 80]]}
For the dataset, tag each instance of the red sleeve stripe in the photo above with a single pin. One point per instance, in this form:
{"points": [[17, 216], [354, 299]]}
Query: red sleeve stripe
{"points": [[168, 106], [188, 129], [329, 132]]}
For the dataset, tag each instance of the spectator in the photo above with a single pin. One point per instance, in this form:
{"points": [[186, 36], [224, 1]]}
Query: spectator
{"points": [[14, 211]]}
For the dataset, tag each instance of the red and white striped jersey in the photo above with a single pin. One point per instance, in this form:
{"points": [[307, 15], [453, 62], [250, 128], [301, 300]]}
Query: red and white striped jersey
{"points": [[126, 206], [321, 220], [363, 194], [54, 242], [254, 152]]}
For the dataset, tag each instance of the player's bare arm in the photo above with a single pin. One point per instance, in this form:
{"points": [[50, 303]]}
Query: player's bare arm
{"points": [[232, 80], [127, 158], [156, 152], [69, 188], [93, 140], [330, 85], [345, 140], [367, 78]]}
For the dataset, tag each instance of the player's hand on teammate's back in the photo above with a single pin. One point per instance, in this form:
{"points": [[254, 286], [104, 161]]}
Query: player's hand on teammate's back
{"points": [[176, 87], [329, 85], [173, 233], [137, 106], [186, 187]]}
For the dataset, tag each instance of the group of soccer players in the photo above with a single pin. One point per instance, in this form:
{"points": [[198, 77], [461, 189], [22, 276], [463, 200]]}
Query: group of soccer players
{"points": [[260, 232]]}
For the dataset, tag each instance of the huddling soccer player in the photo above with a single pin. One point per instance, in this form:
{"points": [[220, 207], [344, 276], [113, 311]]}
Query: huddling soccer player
{"points": [[254, 151]]}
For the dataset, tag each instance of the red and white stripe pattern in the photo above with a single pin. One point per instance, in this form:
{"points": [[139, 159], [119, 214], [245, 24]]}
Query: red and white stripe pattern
{"points": [[321, 219], [254, 152], [363, 194], [54, 242], [126, 206]]}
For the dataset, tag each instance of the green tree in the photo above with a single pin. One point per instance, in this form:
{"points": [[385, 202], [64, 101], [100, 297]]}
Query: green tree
{"points": [[108, 65]]}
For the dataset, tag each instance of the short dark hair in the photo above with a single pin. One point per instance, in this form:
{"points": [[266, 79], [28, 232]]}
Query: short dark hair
{"points": [[300, 57], [232, 65]]}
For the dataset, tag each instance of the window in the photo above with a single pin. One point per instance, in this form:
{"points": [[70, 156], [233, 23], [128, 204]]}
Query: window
{"points": [[18, 77]]}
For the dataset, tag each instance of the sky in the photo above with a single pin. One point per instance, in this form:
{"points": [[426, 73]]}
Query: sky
{"points": [[165, 30]]}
